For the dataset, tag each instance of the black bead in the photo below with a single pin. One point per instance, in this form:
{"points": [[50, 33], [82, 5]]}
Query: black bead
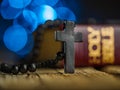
{"points": [[44, 26], [60, 56], [36, 46], [49, 23], [5, 68], [32, 67], [36, 53], [39, 65], [57, 22], [23, 68], [55, 62], [15, 69], [43, 64], [47, 63], [51, 62]]}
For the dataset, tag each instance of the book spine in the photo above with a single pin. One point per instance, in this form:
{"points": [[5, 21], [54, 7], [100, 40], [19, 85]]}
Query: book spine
{"points": [[100, 46]]}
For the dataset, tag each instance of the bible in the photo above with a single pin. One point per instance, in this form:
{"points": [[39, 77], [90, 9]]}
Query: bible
{"points": [[100, 45]]}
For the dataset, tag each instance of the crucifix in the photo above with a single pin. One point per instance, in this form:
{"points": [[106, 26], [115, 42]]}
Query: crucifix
{"points": [[69, 37]]}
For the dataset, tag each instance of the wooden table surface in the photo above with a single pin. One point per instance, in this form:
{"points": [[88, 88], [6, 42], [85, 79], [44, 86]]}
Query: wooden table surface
{"points": [[54, 79]]}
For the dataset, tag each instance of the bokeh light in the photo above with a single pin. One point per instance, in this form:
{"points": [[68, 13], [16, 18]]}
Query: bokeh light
{"points": [[15, 38], [28, 20], [19, 3], [8, 12], [44, 13], [35, 3], [28, 47], [22, 17], [65, 14]]}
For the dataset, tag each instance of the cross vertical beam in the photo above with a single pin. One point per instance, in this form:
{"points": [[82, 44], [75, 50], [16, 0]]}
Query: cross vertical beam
{"points": [[68, 37]]}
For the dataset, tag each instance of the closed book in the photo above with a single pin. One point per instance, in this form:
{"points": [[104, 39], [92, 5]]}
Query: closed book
{"points": [[100, 46]]}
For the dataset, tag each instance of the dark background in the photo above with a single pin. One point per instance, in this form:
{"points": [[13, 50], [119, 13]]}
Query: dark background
{"points": [[89, 11], [103, 11]]}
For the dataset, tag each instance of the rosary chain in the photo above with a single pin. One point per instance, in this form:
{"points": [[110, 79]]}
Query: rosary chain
{"points": [[24, 68]]}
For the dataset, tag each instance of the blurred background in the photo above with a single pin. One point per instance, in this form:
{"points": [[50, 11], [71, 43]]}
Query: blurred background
{"points": [[19, 30], [24, 14], [103, 11]]}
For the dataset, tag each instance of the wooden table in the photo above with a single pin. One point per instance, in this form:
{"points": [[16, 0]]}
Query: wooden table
{"points": [[54, 79]]}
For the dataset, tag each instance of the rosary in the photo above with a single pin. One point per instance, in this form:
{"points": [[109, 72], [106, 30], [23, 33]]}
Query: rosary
{"points": [[23, 68], [33, 15], [67, 36]]}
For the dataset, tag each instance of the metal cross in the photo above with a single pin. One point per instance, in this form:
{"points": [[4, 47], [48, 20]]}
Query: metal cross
{"points": [[69, 37]]}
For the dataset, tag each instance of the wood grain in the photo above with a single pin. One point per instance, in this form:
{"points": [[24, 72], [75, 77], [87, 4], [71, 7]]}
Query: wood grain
{"points": [[55, 79]]}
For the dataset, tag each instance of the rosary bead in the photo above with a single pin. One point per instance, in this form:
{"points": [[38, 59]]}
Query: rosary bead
{"points": [[38, 65], [32, 67], [57, 23], [23, 68], [15, 69], [55, 62], [5, 68], [49, 23], [60, 56], [47, 63], [43, 64], [51, 63]]}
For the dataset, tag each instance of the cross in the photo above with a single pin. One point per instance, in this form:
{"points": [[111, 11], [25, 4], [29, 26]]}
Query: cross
{"points": [[69, 37]]}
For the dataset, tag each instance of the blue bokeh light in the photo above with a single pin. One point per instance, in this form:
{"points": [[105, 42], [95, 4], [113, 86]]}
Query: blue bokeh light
{"points": [[36, 3], [28, 47], [44, 13], [65, 14], [19, 3], [15, 38], [26, 15], [8, 12], [28, 20]]}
